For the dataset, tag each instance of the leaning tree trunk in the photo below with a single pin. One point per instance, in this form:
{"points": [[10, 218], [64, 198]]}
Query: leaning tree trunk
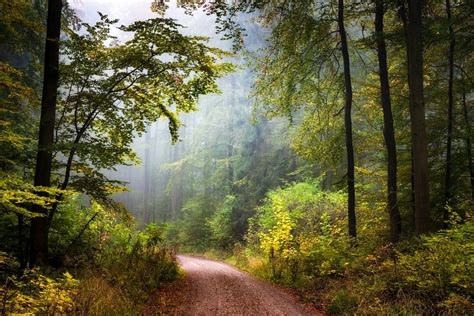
{"points": [[449, 136], [388, 130], [417, 116], [40, 224], [348, 121]]}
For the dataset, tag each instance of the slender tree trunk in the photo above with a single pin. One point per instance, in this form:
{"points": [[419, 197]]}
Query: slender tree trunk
{"points": [[348, 121], [448, 184], [468, 141], [146, 193], [175, 188], [388, 130], [40, 225], [230, 128], [402, 12], [412, 186], [417, 116], [21, 246]]}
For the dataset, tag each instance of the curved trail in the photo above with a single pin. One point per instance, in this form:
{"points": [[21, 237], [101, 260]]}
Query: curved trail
{"points": [[214, 288]]}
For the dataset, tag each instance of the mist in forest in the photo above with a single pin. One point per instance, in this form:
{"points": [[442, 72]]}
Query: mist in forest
{"points": [[211, 139]]}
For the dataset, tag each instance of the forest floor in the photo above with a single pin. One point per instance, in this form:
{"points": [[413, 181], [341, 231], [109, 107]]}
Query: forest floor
{"points": [[214, 288]]}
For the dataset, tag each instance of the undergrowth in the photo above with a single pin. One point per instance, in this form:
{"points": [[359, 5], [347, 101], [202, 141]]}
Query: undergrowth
{"points": [[298, 239], [110, 270]]}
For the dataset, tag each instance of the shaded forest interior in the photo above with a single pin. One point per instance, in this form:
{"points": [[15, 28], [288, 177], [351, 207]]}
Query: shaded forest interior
{"points": [[322, 145]]}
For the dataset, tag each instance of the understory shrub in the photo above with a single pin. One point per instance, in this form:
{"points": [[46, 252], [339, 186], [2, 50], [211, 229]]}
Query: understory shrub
{"points": [[115, 266], [301, 231], [298, 237], [31, 292], [442, 269]]}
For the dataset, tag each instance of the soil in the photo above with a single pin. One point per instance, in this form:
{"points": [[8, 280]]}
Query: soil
{"points": [[215, 288]]}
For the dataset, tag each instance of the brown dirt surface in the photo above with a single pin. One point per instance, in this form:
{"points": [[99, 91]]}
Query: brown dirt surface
{"points": [[214, 288]]}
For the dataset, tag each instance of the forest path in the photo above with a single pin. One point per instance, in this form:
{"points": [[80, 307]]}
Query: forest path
{"points": [[214, 288]]}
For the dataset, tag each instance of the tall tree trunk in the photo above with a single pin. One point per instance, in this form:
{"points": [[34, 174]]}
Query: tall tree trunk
{"points": [[449, 136], [348, 122], [40, 225], [402, 12], [468, 141], [388, 130], [417, 116]]}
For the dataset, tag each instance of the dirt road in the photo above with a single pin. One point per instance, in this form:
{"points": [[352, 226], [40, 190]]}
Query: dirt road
{"points": [[214, 288]]}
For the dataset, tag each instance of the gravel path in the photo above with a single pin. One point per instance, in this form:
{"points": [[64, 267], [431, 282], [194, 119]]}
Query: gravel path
{"points": [[214, 288]]}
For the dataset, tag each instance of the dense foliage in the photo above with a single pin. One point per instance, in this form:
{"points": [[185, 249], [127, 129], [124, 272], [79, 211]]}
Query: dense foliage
{"points": [[298, 238]]}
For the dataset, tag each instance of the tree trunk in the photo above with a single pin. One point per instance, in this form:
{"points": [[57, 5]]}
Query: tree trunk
{"points": [[402, 12], [146, 190], [388, 130], [40, 225], [417, 116], [176, 183], [468, 141], [22, 257], [348, 122], [449, 136], [230, 138]]}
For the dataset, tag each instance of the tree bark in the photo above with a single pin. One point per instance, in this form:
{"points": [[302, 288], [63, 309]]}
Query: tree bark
{"points": [[348, 122], [388, 129], [449, 136], [417, 116], [402, 12], [468, 141], [40, 225]]}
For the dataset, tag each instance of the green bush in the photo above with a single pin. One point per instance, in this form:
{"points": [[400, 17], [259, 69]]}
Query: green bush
{"points": [[431, 275], [220, 224], [342, 303], [126, 262], [299, 238], [301, 231], [192, 233], [442, 268]]}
